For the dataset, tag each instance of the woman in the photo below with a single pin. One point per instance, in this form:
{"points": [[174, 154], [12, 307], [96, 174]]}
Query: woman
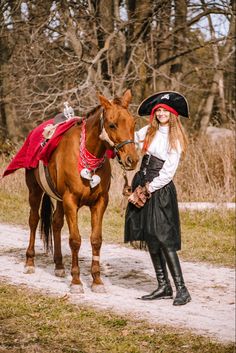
{"points": [[152, 214]]}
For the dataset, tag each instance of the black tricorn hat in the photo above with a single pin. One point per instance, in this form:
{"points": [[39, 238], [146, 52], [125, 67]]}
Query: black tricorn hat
{"points": [[173, 99]]}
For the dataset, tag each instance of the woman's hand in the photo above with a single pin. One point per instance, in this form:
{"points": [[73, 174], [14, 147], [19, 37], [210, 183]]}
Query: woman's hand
{"points": [[140, 196]]}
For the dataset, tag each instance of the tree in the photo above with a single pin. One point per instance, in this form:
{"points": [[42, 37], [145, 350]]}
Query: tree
{"points": [[220, 61], [58, 51]]}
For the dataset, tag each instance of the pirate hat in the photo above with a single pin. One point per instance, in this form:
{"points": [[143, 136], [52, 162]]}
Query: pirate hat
{"points": [[176, 101]]}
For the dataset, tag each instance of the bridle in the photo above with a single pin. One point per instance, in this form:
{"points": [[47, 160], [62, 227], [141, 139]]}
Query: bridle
{"points": [[115, 146]]}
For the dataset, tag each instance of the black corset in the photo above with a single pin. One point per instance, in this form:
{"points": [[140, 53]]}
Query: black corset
{"points": [[150, 167]]}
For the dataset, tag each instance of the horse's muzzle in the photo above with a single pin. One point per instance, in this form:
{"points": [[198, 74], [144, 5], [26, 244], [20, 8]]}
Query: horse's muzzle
{"points": [[130, 162]]}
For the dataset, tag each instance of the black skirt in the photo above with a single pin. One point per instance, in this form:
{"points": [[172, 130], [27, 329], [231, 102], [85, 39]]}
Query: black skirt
{"points": [[157, 223]]}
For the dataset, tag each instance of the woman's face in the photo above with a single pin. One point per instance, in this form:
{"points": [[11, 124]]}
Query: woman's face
{"points": [[163, 116]]}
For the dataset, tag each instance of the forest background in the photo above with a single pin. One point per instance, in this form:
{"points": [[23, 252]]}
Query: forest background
{"points": [[57, 51], [68, 50]]}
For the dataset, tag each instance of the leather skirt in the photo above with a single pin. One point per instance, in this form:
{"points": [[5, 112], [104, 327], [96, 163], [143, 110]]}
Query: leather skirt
{"points": [[157, 223]]}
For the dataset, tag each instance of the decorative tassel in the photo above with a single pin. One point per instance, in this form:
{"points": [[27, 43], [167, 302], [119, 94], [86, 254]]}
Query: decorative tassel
{"points": [[111, 154]]}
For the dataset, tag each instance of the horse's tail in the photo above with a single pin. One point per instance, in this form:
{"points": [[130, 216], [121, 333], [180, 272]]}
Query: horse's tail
{"points": [[46, 214]]}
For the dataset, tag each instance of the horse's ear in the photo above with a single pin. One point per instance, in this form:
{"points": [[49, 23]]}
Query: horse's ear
{"points": [[104, 102], [126, 99]]}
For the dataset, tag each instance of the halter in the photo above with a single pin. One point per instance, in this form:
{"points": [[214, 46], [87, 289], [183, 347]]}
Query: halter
{"points": [[104, 136]]}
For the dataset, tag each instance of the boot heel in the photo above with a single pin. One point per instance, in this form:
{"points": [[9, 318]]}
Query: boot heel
{"points": [[182, 297]]}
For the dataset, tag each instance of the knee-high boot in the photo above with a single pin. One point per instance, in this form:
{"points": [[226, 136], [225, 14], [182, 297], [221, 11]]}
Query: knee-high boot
{"points": [[182, 294], [164, 290]]}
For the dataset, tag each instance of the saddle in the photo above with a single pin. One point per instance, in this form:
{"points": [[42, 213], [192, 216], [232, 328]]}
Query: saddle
{"points": [[68, 114], [44, 176], [59, 118]]}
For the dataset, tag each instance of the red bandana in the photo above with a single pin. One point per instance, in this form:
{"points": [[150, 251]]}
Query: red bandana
{"points": [[87, 159], [165, 106]]}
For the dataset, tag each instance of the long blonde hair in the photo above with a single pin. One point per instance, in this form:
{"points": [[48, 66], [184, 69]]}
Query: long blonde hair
{"points": [[176, 133]]}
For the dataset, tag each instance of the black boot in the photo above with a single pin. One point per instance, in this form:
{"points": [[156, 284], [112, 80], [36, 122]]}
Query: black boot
{"points": [[182, 294], [164, 290]]}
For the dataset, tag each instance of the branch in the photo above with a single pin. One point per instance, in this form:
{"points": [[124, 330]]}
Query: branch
{"points": [[190, 50], [213, 10]]}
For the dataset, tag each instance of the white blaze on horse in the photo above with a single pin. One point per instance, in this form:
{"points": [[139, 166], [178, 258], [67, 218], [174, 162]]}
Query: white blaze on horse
{"points": [[80, 173]]}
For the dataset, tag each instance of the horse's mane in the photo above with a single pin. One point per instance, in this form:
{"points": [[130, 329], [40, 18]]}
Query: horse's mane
{"points": [[116, 100], [92, 111]]}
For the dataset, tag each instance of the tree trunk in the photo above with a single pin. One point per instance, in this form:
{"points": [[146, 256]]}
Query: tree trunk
{"points": [[179, 43], [209, 104], [105, 26], [218, 78], [138, 31], [163, 45]]}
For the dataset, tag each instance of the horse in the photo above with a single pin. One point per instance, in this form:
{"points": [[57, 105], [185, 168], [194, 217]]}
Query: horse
{"points": [[110, 125]]}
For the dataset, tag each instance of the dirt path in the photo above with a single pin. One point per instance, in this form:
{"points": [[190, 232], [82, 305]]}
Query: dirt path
{"points": [[128, 274]]}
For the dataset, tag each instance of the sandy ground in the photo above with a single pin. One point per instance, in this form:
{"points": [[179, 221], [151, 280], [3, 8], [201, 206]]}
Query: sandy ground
{"points": [[128, 274]]}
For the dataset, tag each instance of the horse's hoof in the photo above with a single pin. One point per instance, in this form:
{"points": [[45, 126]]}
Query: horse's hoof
{"points": [[98, 288], [60, 273], [29, 269], [76, 289]]}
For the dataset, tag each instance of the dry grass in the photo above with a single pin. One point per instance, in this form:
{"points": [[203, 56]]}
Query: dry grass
{"points": [[207, 173], [209, 236], [33, 323]]}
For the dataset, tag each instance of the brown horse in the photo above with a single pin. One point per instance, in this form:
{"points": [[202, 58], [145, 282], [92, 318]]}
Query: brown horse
{"points": [[110, 125]]}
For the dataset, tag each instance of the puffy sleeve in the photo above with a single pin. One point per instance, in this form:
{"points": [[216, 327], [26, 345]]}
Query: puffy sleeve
{"points": [[139, 136], [168, 170]]}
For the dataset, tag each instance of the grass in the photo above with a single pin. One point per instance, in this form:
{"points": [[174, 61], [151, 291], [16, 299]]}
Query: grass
{"points": [[14, 209], [31, 322], [207, 236]]}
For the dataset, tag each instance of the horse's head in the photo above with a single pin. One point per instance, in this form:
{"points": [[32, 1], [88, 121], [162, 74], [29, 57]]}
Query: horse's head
{"points": [[119, 125]]}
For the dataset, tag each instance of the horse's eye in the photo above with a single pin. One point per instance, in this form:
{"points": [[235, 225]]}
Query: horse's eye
{"points": [[112, 126]]}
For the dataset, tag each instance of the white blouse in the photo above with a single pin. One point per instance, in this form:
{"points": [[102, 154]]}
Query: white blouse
{"points": [[159, 148]]}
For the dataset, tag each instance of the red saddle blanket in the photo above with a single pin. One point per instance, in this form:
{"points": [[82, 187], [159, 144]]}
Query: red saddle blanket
{"points": [[32, 150]]}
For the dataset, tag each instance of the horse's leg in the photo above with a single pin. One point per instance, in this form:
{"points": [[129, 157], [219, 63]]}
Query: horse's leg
{"points": [[97, 212], [57, 224], [71, 210], [35, 195]]}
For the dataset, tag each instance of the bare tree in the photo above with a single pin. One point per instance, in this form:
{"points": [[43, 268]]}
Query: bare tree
{"points": [[69, 50], [217, 86]]}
